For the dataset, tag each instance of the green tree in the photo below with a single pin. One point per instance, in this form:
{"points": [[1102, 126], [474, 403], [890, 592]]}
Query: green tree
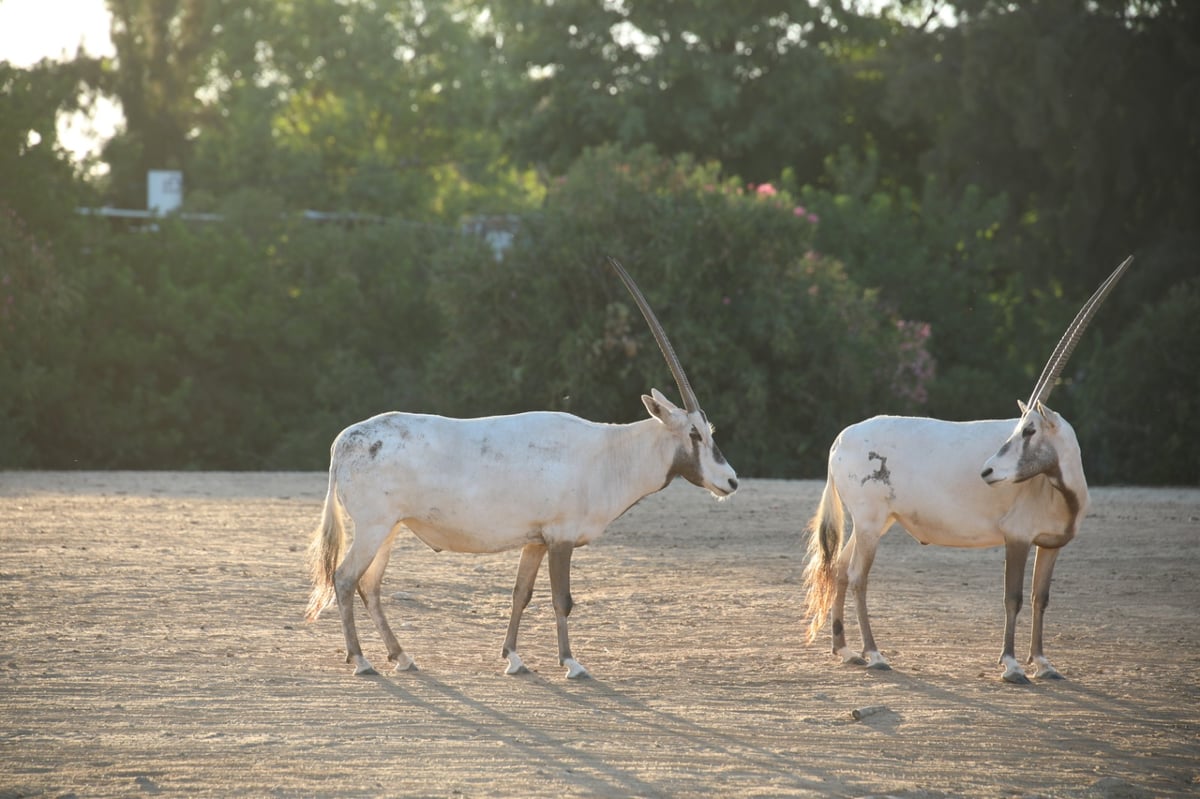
{"points": [[379, 108], [1085, 115], [40, 184], [162, 51], [758, 86]]}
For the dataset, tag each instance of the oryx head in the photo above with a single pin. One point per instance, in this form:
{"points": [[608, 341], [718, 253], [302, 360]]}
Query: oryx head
{"points": [[1043, 442], [697, 459]]}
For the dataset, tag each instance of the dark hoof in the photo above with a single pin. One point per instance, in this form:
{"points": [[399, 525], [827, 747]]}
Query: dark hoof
{"points": [[1051, 675], [1016, 679], [879, 667], [854, 661]]}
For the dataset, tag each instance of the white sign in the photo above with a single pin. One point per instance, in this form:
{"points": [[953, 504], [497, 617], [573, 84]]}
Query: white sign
{"points": [[164, 190]]}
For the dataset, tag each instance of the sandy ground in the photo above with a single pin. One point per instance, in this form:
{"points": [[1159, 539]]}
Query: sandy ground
{"points": [[151, 643]]}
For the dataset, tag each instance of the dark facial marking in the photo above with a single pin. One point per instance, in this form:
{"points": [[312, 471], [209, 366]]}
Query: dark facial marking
{"points": [[1035, 459], [718, 456], [687, 462], [375, 448], [686, 465]]}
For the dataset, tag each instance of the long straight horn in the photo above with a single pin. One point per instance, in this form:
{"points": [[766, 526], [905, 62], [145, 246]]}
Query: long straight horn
{"points": [[685, 388], [1066, 344]]}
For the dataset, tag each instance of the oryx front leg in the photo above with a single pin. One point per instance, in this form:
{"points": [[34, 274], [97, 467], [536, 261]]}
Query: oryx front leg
{"points": [[1015, 555], [531, 560], [1043, 570], [560, 590]]}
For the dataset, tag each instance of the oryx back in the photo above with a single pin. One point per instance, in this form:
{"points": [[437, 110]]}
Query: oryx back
{"points": [[922, 473], [479, 485]]}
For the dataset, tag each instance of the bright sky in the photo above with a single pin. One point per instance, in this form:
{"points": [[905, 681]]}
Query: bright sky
{"points": [[31, 30], [34, 29]]}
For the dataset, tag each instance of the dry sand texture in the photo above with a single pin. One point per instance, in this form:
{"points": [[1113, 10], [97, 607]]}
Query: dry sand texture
{"points": [[152, 644]]}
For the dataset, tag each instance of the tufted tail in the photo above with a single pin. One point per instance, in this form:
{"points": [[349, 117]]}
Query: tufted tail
{"points": [[824, 544], [325, 552]]}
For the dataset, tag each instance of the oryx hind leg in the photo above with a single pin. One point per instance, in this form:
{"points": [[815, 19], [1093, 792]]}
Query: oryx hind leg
{"points": [[1043, 571], [837, 614], [560, 590], [531, 561], [860, 570], [346, 577], [854, 569], [369, 586]]}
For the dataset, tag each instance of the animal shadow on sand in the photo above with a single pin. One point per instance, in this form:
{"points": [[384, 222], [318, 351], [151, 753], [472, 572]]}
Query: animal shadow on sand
{"points": [[551, 751]]}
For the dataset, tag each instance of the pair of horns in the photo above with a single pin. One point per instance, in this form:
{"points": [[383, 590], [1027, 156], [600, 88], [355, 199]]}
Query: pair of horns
{"points": [[1066, 344], [685, 388]]}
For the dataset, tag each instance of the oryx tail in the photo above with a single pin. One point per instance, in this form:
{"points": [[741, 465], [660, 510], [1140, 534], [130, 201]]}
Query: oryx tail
{"points": [[325, 552], [824, 545]]}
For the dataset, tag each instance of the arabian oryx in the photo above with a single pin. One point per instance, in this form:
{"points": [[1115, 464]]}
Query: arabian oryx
{"points": [[541, 482], [926, 475]]}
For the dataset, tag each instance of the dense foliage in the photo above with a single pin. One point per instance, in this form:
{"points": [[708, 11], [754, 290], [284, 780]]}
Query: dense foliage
{"points": [[836, 212], [767, 328]]}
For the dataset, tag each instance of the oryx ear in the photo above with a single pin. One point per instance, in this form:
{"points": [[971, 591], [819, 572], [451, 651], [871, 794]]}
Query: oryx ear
{"points": [[1024, 408], [1051, 418], [659, 406], [662, 398]]}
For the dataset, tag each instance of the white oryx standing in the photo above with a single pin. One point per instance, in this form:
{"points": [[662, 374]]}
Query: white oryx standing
{"points": [[925, 475], [542, 482]]}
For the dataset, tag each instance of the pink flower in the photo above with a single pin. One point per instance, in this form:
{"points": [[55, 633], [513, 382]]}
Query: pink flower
{"points": [[799, 210], [813, 218], [766, 190]]}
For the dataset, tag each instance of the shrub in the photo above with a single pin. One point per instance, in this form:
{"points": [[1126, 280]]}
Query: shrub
{"points": [[781, 346], [241, 345], [1144, 430]]}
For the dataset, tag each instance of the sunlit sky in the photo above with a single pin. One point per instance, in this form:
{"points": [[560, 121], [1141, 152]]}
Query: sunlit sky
{"points": [[34, 29], [31, 30]]}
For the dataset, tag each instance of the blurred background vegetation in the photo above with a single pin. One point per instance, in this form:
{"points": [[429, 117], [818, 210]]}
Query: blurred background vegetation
{"points": [[837, 209]]}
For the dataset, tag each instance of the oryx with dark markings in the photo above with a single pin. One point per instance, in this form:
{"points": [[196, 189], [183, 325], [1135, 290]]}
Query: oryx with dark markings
{"points": [[541, 482], [1017, 483]]}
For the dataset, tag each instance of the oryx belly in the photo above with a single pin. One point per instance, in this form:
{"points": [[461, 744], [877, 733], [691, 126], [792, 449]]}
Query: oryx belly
{"points": [[477, 522], [476, 540]]}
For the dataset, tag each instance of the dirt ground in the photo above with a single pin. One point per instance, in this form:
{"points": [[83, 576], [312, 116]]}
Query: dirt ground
{"points": [[151, 642]]}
